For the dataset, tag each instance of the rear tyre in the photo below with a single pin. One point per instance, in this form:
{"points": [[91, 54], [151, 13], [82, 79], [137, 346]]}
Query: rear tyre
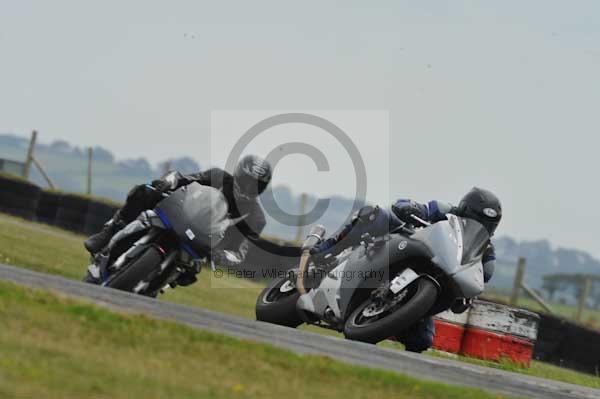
{"points": [[278, 306], [137, 271], [367, 325]]}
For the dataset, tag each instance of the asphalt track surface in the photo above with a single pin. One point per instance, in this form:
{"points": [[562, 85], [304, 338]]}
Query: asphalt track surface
{"points": [[419, 366]]}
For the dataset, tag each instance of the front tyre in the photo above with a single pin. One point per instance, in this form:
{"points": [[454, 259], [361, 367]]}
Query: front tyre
{"points": [[276, 304], [137, 271], [374, 321]]}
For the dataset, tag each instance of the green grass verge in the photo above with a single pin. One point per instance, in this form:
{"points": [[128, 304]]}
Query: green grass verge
{"points": [[56, 347], [537, 369], [51, 250]]}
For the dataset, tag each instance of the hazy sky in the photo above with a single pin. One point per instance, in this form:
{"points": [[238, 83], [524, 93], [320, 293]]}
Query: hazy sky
{"points": [[504, 95]]}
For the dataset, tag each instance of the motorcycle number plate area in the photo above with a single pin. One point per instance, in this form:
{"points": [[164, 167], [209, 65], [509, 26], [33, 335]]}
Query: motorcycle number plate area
{"points": [[403, 280]]}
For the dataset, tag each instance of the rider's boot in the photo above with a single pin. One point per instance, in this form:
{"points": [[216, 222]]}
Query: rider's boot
{"points": [[98, 241]]}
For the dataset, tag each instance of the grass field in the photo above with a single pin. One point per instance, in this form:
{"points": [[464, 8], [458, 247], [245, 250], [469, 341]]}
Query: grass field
{"points": [[537, 369], [47, 249], [56, 347]]}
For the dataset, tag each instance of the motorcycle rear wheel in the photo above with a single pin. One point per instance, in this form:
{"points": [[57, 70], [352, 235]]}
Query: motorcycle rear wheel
{"points": [[421, 295], [277, 307]]}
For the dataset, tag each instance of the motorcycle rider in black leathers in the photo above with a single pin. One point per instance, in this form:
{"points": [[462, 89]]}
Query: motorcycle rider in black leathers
{"points": [[478, 204], [241, 190]]}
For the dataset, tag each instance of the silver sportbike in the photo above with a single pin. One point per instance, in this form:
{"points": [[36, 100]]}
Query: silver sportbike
{"points": [[384, 285]]}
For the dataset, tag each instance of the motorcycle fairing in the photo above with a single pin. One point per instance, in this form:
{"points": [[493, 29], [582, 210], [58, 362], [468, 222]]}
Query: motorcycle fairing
{"points": [[336, 290], [457, 245], [197, 214]]}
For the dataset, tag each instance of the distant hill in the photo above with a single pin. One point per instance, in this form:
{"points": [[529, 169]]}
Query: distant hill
{"points": [[542, 259], [113, 178]]}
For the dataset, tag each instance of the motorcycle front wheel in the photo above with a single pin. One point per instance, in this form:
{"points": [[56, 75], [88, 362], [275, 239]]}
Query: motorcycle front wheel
{"points": [[375, 320], [137, 271]]}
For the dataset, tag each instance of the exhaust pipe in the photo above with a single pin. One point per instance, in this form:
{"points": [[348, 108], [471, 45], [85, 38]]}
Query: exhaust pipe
{"points": [[314, 237]]}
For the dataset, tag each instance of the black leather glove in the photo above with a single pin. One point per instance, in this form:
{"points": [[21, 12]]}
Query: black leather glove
{"points": [[160, 186], [404, 209], [169, 181]]}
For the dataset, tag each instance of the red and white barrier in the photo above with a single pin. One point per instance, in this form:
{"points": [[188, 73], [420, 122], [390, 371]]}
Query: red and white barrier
{"points": [[449, 331], [488, 331], [497, 331]]}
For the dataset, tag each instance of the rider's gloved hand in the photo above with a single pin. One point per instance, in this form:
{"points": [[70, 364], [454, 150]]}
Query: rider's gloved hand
{"points": [[169, 181], [404, 209], [160, 185], [321, 250]]}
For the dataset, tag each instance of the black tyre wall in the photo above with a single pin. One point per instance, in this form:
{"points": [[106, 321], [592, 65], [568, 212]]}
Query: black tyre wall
{"points": [[18, 197], [566, 344], [48, 206], [71, 213]]}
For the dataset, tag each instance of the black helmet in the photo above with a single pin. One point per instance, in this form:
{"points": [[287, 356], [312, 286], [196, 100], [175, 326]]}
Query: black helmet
{"points": [[483, 206], [251, 177]]}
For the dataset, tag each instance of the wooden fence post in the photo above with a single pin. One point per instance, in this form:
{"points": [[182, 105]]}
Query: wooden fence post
{"points": [[29, 159], [301, 219], [514, 299], [43, 172], [536, 297]]}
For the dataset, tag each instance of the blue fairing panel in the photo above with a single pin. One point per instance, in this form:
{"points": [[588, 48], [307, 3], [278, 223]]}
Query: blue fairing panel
{"points": [[163, 218]]}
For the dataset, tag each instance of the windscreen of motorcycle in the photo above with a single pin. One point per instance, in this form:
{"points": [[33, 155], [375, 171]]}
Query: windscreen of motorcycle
{"points": [[455, 242], [475, 240], [198, 214]]}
